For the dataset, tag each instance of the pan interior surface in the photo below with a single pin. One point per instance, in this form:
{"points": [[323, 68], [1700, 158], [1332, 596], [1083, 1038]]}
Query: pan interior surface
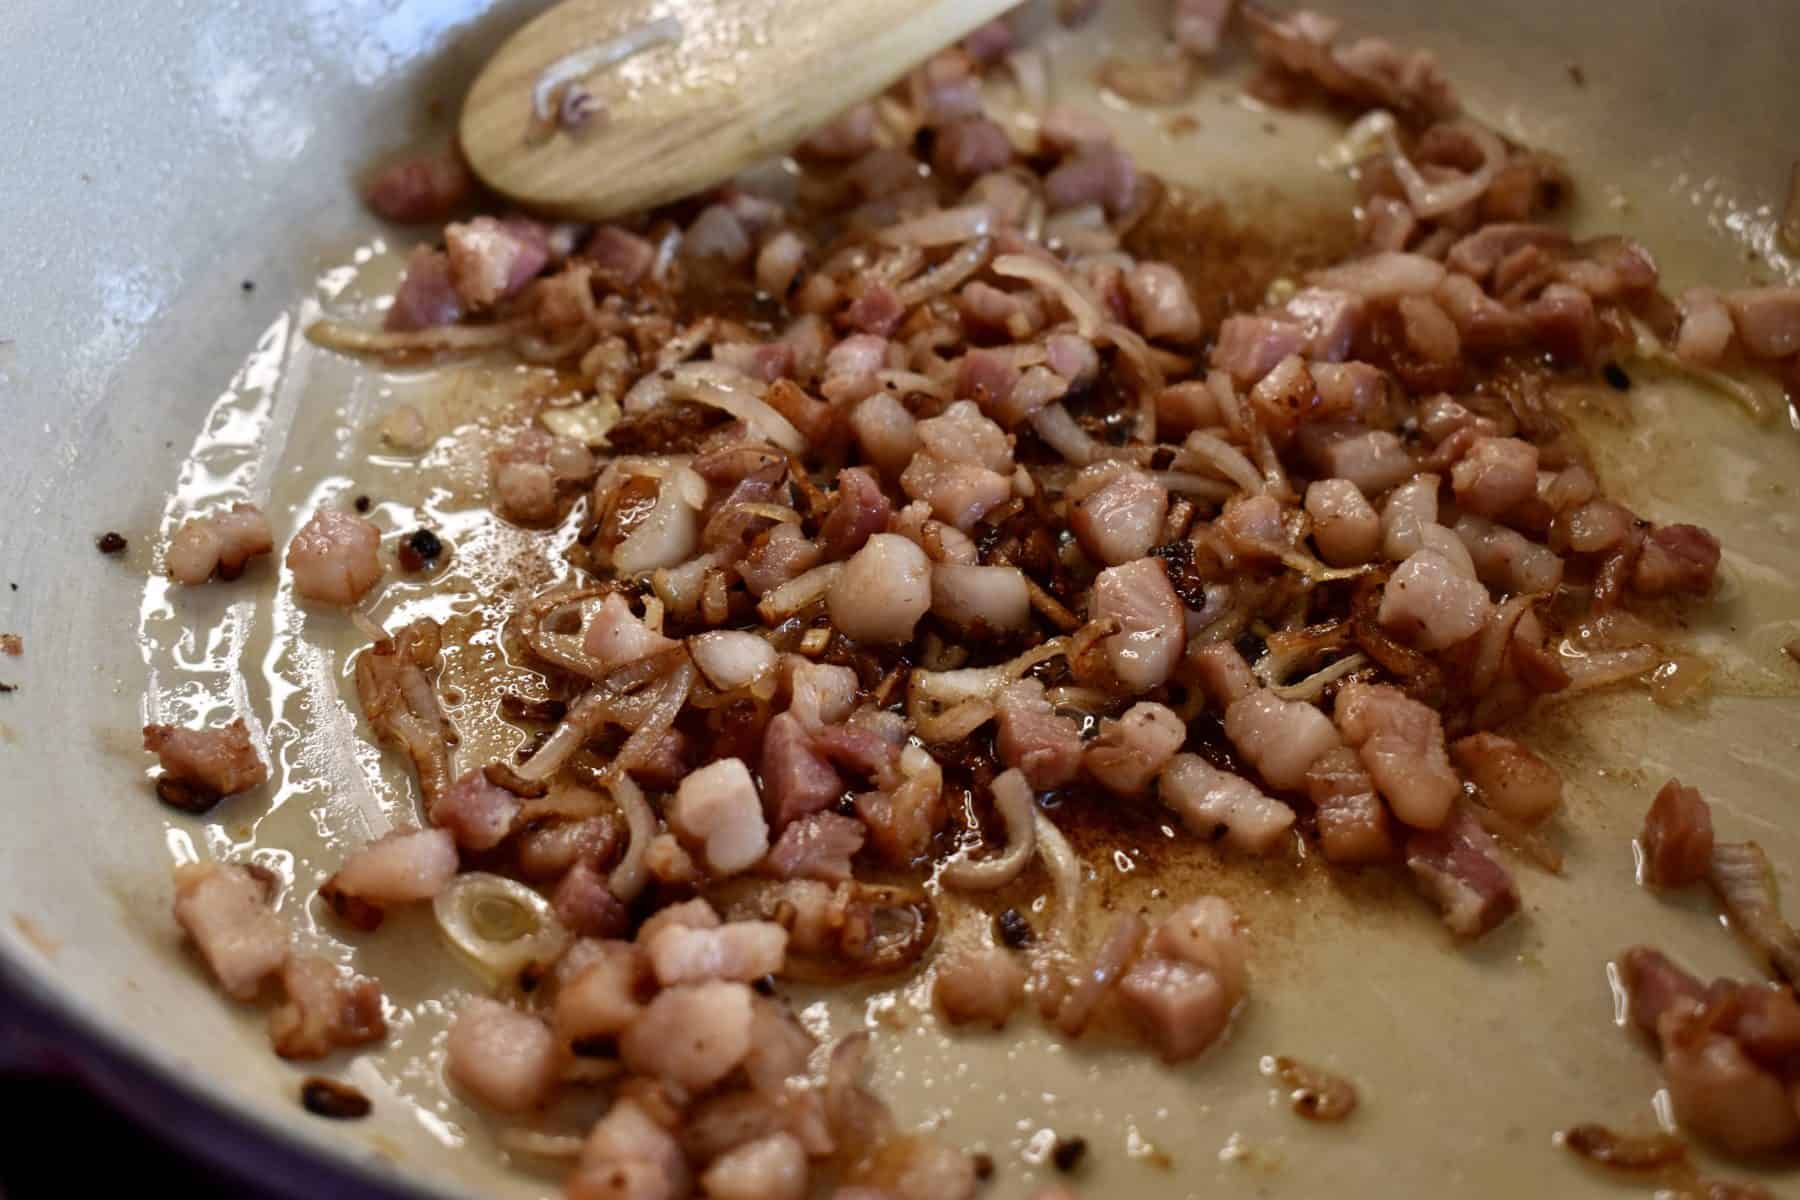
{"points": [[153, 360]]}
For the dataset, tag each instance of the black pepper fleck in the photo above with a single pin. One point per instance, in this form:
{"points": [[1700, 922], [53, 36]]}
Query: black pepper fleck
{"points": [[420, 550], [6, 688], [764, 985], [984, 1166], [329, 1098], [361, 504], [249, 285], [1067, 1154], [1015, 930], [1577, 76], [1615, 377], [111, 543]]}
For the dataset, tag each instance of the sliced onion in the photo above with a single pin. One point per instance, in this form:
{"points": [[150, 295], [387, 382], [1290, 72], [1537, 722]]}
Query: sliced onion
{"points": [[1202, 448], [1012, 800], [680, 587], [1745, 882], [1056, 284], [668, 534], [947, 275], [499, 925], [858, 1119], [1429, 199], [1095, 979], [1367, 134], [561, 649], [955, 723], [1065, 872], [1602, 667], [798, 593], [1183, 483], [356, 339], [1496, 636], [671, 694], [630, 874], [534, 1144], [1060, 432], [947, 226], [1625, 1151], [1033, 77], [912, 381], [600, 56], [1313, 686], [932, 694], [733, 392]]}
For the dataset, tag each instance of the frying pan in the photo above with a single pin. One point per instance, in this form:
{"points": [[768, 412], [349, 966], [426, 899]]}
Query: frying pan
{"points": [[179, 183]]}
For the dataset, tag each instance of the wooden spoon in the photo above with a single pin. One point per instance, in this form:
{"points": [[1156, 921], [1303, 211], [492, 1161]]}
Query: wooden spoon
{"points": [[683, 94]]}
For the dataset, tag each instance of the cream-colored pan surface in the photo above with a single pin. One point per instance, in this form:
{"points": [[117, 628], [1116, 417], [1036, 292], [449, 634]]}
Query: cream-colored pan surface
{"points": [[141, 378]]}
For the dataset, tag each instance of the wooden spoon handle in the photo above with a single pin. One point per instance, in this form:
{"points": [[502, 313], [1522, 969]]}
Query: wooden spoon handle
{"points": [[745, 79]]}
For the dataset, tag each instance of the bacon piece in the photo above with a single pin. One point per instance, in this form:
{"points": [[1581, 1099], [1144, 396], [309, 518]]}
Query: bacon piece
{"points": [[1152, 626], [1354, 826], [768, 1168], [1458, 867], [425, 298], [1346, 528], [325, 1010], [604, 994], [220, 543], [1160, 304], [819, 846], [1118, 513], [797, 779], [1180, 1009], [502, 1057], [1129, 751], [207, 763], [1401, 744], [1767, 320], [1432, 604], [1718, 1091], [492, 260], [717, 810], [960, 493], [478, 813], [984, 985], [1198, 25], [970, 147], [1034, 738], [616, 635], [1495, 475], [1508, 561], [421, 188], [847, 138], [883, 590], [334, 557], [692, 1035], [981, 600], [629, 1155], [737, 950], [620, 258], [1678, 837], [1211, 802], [226, 910], [401, 867], [1676, 558], [585, 904], [1248, 347], [1097, 173], [1511, 779], [862, 509]]}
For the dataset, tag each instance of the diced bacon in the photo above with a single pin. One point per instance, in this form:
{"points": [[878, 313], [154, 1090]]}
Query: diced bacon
{"points": [[717, 810], [1678, 837], [1512, 779], [1129, 751], [1563, 320], [797, 779], [1121, 519], [1383, 276], [1496, 474], [990, 43], [777, 557], [325, 1010], [401, 867], [1478, 253], [1328, 319], [1097, 173], [1249, 347], [848, 137], [1719, 1092], [769, 1168], [227, 911], [334, 557], [1280, 738], [1483, 323], [604, 994], [1401, 744], [902, 820], [1354, 826], [1065, 128], [1654, 985], [1408, 509], [738, 950], [822, 694], [1431, 604], [862, 509], [883, 590], [421, 188], [425, 297], [1184, 407], [1429, 332], [214, 762], [1033, 737], [1160, 304], [479, 814], [547, 850], [732, 658], [962, 434], [1677, 558], [219, 543], [945, 88], [717, 233], [1507, 560], [886, 432], [819, 846], [620, 258], [693, 1035], [765, 361], [491, 260], [1223, 674], [1152, 627], [1458, 867], [778, 265], [971, 147], [1198, 25], [985, 309], [1345, 527], [1767, 320], [1211, 803], [979, 986], [616, 635], [502, 1057], [884, 172], [1372, 459], [586, 906], [980, 599], [960, 493], [629, 1155], [1180, 1009], [877, 311]]}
